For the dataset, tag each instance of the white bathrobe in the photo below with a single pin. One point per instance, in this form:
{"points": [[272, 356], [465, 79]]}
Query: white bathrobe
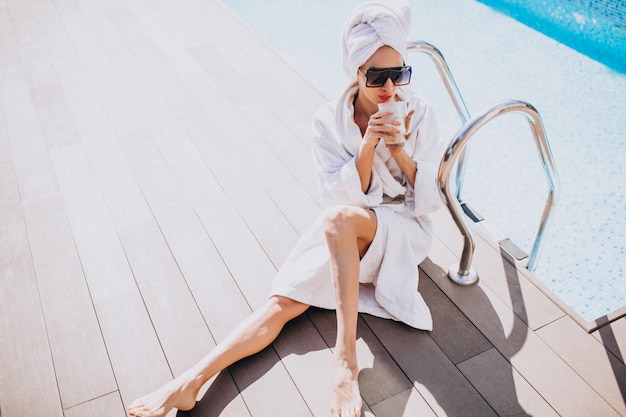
{"points": [[389, 270]]}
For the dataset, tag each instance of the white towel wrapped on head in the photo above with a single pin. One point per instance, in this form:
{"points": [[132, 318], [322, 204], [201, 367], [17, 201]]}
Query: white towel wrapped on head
{"points": [[371, 25]]}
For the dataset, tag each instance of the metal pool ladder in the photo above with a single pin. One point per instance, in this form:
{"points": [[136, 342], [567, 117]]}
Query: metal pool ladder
{"points": [[464, 273]]}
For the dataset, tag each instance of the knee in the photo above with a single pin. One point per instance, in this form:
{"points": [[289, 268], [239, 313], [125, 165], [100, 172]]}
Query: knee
{"points": [[338, 221], [286, 306]]}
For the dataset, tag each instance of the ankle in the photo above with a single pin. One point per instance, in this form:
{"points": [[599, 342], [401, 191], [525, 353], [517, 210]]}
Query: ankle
{"points": [[345, 360], [190, 381]]}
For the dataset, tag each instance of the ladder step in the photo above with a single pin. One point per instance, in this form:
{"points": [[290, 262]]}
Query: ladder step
{"points": [[512, 249], [471, 213]]}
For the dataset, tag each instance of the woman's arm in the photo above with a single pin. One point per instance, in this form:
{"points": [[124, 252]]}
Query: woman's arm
{"points": [[406, 164], [343, 177], [380, 126], [364, 160]]}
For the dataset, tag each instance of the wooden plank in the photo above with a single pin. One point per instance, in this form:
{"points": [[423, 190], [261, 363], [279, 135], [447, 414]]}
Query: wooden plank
{"points": [[115, 101], [271, 229], [253, 48], [145, 101], [205, 89], [452, 331], [73, 329], [167, 28], [56, 120], [221, 218], [442, 385], [51, 105], [28, 385], [109, 109], [109, 405], [100, 85], [248, 196], [503, 387], [255, 374], [218, 296], [88, 113], [205, 17], [28, 146], [117, 183], [291, 147], [252, 145], [297, 205], [86, 109], [5, 147], [308, 361], [613, 338], [181, 157], [220, 399], [47, 17], [242, 254], [600, 368], [18, 11], [379, 376], [101, 253], [119, 186], [405, 404], [134, 350], [179, 325], [495, 271], [181, 102], [195, 177], [13, 237], [34, 55], [65, 7], [566, 392], [10, 57], [226, 106]]}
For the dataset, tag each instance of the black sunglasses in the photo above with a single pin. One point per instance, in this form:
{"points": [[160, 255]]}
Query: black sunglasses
{"points": [[377, 77]]}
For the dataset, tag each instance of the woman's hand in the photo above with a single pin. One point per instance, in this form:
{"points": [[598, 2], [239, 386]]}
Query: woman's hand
{"points": [[395, 149], [381, 126]]}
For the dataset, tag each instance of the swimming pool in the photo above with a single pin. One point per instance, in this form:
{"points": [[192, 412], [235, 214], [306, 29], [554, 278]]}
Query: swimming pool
{"points": [[494, 57], [597, 28]]}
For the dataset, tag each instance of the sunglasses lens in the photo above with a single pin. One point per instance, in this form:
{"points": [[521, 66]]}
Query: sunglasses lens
{"points": [[401, 77], [377, 77]]}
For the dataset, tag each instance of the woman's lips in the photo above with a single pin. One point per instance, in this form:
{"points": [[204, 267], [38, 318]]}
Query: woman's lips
{"points": [[385, 98]]}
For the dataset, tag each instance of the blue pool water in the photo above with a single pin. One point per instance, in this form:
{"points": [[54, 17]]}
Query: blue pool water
{"points": [[596, 28], [494, 57]]}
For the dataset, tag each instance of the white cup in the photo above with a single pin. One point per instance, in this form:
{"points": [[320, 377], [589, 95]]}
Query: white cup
{"points": [[400, 112]]}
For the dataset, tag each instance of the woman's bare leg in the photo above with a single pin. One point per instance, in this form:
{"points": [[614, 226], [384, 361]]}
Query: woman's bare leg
{"points": [[349, 232], [251, 336]]}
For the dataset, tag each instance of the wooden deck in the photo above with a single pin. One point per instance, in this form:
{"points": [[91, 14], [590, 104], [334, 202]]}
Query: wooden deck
{"points": [[155, 172]]}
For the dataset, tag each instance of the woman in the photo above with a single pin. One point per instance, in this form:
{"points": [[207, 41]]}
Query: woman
{"points": [[363, 252]]}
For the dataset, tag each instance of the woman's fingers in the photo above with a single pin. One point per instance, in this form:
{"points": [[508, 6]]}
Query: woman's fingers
{"points": [[409, 117], [384, 119], [385, 132]]}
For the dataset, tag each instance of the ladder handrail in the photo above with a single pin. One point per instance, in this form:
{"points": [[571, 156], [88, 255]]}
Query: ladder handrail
{"points": [[465, 274], [455, 95]]}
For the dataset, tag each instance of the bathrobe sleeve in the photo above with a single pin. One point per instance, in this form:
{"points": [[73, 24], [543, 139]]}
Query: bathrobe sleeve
{"points": [[426, 149], [335, 164]]}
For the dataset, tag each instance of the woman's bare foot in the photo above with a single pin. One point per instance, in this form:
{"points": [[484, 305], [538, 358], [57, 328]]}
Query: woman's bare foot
{"points": [[346, 399], [179, 393]]}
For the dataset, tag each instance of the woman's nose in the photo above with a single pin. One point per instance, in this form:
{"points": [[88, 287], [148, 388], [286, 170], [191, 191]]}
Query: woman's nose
{"points": [[388, 86]]}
